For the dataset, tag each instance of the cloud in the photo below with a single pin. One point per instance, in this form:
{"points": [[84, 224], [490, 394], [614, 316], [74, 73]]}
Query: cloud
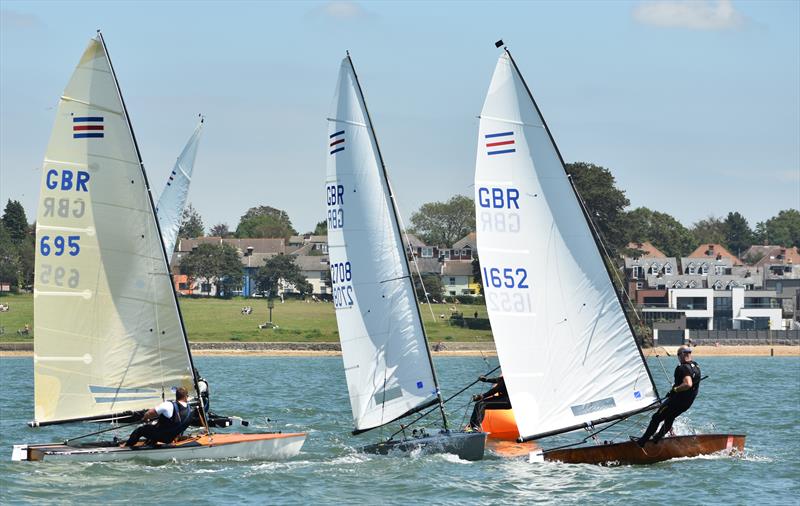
{"points": [[10, 20], [342, 10], [692, 14]]}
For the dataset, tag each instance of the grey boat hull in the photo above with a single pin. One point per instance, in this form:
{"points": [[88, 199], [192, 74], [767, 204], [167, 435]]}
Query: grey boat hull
{"points": [[467, 445]]}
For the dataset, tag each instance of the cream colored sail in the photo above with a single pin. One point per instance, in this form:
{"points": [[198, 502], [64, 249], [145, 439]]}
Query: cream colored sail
{"points": [[108, 336]]}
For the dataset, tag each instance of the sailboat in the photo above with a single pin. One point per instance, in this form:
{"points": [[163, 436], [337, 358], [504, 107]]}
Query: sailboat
{"points": [[173, 198], [387, 362], [566, 347], [109, 337]]}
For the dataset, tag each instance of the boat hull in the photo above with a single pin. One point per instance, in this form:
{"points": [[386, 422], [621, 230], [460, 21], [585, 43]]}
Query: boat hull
{"points": [[263, 446], [467, 445], [630, 453], [500, 424]]}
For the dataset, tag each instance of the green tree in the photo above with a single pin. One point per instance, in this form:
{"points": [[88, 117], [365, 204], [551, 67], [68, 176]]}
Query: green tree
{"points": [[217, 264], [605, 203], [432, 284], [220, 230], [321, 228], [265, 221], [281, 271], [191, 223], [711, 230], [738, 236], [662, 230], [780, 230], [10, 269], [443, 223], [15, 221]]}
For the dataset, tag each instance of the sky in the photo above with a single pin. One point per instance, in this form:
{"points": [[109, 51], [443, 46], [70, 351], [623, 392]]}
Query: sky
{"points": [[693, 106]]}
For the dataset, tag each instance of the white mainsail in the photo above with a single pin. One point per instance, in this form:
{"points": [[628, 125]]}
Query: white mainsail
{"points": [[108, 335], [384, 349], [173, 199], [567, 351]]}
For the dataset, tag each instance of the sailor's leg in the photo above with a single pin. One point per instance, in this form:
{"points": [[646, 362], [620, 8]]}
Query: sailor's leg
{"points": [[670, 416], [143, 431], [476, 419], [658, 417]]}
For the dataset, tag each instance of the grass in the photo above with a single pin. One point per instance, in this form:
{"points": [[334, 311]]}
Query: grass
{"points": [[221, 320]]}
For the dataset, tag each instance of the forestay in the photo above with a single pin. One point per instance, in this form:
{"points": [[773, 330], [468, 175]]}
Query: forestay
{"points": [[173, 197], [567, 352], [383, 346], [108, 336]]}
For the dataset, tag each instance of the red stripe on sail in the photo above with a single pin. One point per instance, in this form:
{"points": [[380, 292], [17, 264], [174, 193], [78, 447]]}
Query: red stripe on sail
{"points": [[87, 127], [337, 142], [491, 144]]}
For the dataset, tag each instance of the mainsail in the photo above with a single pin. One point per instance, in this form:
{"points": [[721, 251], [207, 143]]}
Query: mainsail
{"points": [[173, 198], [386, 359], [567, 350], [108, 333]]}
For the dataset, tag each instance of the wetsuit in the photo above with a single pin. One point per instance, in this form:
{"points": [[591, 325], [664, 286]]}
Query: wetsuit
{"points": [[494, 398], [165, 429], [676, 403]]}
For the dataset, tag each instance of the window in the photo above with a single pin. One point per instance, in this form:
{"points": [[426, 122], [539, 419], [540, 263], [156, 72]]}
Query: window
{"points": [[636, 272], [466, 252], [427, 252], [677, 284], [718, 285], [704, 269], [452, 281], [655, 268], [692, 303], [719, 270], [692, 269], [692, 284], [639, 285], [183, 286], [667, 268]]}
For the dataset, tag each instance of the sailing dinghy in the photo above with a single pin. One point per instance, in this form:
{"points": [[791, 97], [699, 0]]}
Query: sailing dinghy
{"points": [[173, 198], [563, 340], [387, 363], [109, 338]]}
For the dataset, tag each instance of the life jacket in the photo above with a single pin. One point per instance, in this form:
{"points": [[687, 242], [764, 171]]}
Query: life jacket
{"points": [[179, 414]]}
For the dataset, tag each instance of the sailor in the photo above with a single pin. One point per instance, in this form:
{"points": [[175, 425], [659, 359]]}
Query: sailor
{"points": [[679, 399], [172, 420], [494, 398]]}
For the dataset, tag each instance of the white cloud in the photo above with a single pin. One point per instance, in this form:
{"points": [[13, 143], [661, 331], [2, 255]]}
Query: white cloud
{"points": [[10, 20], [692, 14], [340, 10]]}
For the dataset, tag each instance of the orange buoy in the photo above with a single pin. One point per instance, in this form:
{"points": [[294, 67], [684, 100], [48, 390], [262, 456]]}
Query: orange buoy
{"points": [[500, 424]]}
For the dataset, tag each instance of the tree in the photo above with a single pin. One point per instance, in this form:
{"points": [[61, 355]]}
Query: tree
{"points": [[738, 236], [321, 228], [782, 230], [433, 285], [605, 203], [218, 264], [15, 221], [711, 230], [265, 221], [9, 258], [220, 230], [191, 223], [662, 230], [443, 223], [281, 271]]}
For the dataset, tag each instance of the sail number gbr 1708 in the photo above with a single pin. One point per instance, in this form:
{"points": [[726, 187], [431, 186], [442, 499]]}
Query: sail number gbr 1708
{"points": [[341, 278], [507, 289]]}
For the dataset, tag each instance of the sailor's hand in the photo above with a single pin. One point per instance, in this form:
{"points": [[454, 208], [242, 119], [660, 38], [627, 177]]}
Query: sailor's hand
{"points": [[481, 378], [477, 397]]}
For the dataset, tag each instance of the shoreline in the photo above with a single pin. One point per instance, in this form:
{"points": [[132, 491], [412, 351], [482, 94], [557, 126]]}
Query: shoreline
{"points": [[288, 349]]}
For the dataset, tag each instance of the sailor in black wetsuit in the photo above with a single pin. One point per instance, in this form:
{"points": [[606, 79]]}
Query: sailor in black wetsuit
{"points": [[172, 416], [679, 399], [495, 398]]}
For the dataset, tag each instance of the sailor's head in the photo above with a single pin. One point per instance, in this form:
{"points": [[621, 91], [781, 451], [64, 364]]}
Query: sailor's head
{"points": [[684, 354], [181, 394]]}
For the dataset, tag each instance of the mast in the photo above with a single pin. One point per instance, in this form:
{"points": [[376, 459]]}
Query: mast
{"points": [[158, 226], [404, 255]]}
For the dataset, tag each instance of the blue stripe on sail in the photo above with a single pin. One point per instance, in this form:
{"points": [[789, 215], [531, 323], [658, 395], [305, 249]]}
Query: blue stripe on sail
{"points": [[87, 135], [501, 152], [95, 389], [337, 150], [102, 400], [501, 134], [86, 118], [340, 132]]}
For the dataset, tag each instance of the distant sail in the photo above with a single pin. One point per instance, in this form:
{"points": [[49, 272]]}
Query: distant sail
{"points": [[383, 345], [567, 352], [108, 336], [173, 198]]}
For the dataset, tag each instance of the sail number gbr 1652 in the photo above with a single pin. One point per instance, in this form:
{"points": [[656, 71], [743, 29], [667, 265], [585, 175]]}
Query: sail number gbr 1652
{"points": [[335, 201], [507, 289], [341, 277]]}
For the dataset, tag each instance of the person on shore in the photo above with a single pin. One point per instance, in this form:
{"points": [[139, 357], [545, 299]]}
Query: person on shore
{"points": [[679, 399], [172, 417], [494, 398]]}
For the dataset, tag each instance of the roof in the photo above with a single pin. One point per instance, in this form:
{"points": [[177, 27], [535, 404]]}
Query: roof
{"points": [[318, 239], [648, 261], [457, 269], [309, 263], [650, 251], [427, 266], [259, 245], [468, 240], [776, 255], [412, 239], [714, 251]]}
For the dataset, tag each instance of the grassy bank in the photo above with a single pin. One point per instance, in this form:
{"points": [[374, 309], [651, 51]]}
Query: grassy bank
{"points": [[221, 320]]}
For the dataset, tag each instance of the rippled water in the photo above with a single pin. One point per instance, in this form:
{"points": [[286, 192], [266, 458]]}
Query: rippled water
{"points": [[757, 396]]}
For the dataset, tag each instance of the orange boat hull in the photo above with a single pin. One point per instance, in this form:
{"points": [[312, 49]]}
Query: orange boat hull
{"points": [[500, 424], [668, 448]]}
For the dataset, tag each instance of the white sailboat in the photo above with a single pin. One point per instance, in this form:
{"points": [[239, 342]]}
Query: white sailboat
{"points": [[109, 338], [173, 198], [389, 370], [567, 350]]}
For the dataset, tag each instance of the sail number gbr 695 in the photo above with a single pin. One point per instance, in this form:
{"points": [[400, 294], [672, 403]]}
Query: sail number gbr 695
{"points": [[341, 278], [507, 289]]}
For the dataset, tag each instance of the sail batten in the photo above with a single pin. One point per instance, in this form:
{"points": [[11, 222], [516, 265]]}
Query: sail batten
{"points": [[568, 354]]}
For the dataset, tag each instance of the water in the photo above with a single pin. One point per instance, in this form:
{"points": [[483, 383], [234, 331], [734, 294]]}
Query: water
{"points": [[757, 396]]}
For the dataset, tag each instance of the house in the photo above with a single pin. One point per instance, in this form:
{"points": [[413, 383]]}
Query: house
{"points": [[646, 248], [457, 278], [465, 248], [780, 269], [315, 269], [415, 247], [716, 252]]}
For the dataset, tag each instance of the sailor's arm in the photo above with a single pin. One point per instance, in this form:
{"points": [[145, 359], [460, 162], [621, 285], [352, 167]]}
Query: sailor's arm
{"points": [[149, 414], [686, 385]]}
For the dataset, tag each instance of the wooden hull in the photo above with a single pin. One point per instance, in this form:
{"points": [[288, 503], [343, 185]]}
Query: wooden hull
{"points": [[630, 453], [467, 445], [257, 446], [500, 424]]}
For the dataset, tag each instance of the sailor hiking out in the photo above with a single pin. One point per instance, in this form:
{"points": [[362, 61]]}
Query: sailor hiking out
{"points": [[173, 419], [494, 398]]}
